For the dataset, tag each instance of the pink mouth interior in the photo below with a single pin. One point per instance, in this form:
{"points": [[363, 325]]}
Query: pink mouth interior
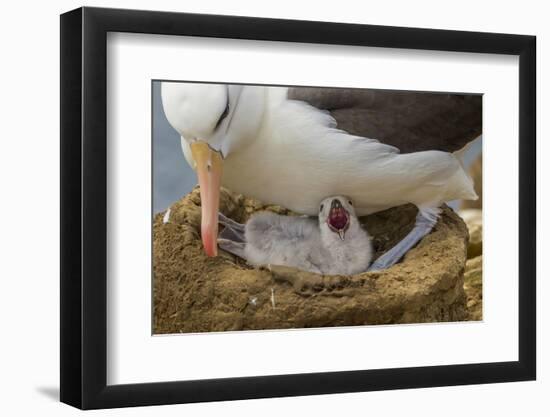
{"points": [[338, 218]]}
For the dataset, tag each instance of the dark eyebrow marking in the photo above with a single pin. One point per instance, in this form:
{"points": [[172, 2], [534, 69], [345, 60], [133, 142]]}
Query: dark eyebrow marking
{"points": [[225, 112], [237, 99]]}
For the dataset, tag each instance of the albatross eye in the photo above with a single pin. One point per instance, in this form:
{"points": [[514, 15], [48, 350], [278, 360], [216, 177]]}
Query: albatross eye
{"points": [[223, 115], [350, 203], [321, 208]]}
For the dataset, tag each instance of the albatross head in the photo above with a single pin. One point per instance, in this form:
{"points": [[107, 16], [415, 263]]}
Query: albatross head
{"points": [[214, 120]]}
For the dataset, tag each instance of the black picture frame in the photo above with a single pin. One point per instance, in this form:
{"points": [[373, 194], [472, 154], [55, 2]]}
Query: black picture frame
{"points": [[84, 207]]}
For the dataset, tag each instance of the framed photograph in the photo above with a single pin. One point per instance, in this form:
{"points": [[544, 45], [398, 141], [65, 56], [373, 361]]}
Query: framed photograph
{"points": [[258, 208]]}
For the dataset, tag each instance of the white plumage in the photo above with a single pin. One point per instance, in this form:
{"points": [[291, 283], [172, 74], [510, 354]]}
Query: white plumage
{"points": [[297, 157]]}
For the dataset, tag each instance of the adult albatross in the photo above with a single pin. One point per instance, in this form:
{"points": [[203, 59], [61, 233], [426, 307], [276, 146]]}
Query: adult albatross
{"points": [[295, 146]]}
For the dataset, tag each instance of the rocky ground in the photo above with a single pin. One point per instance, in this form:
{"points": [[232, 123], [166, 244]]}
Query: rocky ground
{"points": [[471, 212], [193, 293], [473, 275]]}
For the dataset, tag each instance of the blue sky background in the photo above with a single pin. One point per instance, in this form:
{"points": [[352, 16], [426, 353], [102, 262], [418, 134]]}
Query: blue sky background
{"points": [[172, 175]]}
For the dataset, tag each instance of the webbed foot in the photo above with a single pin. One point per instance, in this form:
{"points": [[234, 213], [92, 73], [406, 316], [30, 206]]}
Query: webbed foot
{"points": [[231, 239], [425, 221], [232, 247]]}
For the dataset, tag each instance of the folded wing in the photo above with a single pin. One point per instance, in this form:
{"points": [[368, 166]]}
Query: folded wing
{"points": [[410, 121]]}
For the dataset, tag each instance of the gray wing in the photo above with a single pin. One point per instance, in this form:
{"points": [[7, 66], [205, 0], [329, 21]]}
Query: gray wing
{"points": [[410, 121]]}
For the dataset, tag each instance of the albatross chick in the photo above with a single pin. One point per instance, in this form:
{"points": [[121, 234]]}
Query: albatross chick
{"points": [[333, 244]]}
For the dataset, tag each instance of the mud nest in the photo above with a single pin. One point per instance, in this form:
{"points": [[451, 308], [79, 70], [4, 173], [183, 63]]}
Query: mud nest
{"points": [[194, 293]]}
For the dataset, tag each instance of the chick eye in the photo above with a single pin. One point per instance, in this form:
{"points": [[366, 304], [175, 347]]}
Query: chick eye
{"points": [[321, 208], [350, 203]]}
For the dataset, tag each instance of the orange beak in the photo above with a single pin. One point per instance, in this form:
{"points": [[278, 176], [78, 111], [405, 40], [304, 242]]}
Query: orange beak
{"points": [[209, 170]]}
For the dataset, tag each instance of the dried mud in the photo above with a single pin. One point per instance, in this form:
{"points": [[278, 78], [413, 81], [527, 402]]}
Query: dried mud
{"points": [[194, 293]]}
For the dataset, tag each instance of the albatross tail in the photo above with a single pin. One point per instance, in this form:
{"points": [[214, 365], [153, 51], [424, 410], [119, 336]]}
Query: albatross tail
{"points": [[461, 177], [469, 192]]}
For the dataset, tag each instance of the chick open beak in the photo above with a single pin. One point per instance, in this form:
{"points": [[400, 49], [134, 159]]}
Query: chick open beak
{"points": [[338, 218], [209, 171]]}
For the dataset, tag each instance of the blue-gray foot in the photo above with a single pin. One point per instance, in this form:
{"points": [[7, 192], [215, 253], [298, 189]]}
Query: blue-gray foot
{"points": [[227, 222], [425, 221], [231, 239], [235, 248], [231, 229]]}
